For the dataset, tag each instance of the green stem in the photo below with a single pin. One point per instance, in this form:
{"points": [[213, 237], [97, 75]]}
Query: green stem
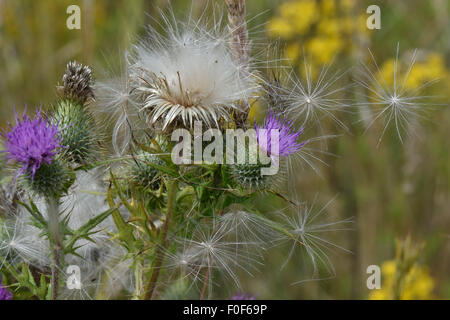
{"points": [[55, 242], [156, 267]]}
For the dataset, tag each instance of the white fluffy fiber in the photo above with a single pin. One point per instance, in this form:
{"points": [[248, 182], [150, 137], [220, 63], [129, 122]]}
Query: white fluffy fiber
{"points": [[21, 240], [187, 74]]}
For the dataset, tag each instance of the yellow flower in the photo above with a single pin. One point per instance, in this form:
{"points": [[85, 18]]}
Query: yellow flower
{"points": [[417, 284], [388, 268], [278, 27], [347, 24], [323, 49], [304, 15], [323, 28], [329, 7], [347, 5], [380, 294], [329, 27], [300, 14], [422, 72], [292, 51]]}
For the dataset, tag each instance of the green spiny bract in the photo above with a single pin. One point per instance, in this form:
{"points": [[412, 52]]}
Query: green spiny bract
{"points": [[77, 127], [51, 180], [143, 173], [248, 175]]}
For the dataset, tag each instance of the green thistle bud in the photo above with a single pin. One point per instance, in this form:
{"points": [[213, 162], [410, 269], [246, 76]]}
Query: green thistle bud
{"points": [[51, 180], [143, 173], [77, 127], [248, 175]]}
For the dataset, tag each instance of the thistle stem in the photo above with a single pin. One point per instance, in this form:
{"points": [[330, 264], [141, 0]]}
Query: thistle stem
{"points": [[156, 267], [55, 242], [205, 283], [240, 47]]}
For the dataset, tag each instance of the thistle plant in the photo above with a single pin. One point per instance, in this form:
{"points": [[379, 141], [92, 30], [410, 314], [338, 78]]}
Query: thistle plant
{"points": [[71, 113], [138, 220]]}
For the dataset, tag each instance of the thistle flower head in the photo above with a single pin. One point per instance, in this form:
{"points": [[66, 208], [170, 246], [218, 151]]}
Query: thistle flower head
{"points": [[77, 82], [5, 294], [287, 139], [189, 74], [31, 142]]}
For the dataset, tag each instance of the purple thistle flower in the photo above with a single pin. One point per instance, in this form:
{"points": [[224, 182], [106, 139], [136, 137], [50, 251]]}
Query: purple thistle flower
{"points": [[5, 294], [242, 296], [287, 144], [31, 142]]}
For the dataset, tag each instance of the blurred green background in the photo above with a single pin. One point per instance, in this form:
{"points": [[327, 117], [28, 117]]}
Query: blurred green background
{"points": [[393, 191]]}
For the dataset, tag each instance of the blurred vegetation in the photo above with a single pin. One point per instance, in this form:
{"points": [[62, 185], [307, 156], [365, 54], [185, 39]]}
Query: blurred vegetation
{"points": [[393, 191]]}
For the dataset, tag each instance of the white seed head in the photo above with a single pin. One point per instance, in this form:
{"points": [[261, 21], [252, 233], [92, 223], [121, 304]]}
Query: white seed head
{"points": [[115, 99], [188, 74], [396, 104], [210, 252], [308, 100], [308, 232]]}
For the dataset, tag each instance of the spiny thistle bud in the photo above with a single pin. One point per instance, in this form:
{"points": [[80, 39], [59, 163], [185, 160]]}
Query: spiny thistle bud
{"points": [[142, 171], [51, 180], [77, 130], [248, 175], [77, 82]]}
